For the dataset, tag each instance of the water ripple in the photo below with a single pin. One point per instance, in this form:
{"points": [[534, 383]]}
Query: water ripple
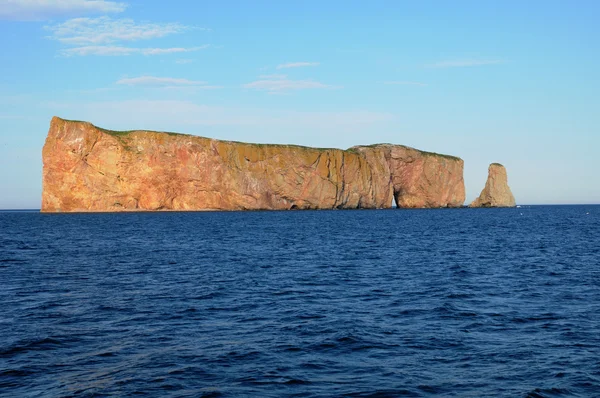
{"points": [[465, 302]]}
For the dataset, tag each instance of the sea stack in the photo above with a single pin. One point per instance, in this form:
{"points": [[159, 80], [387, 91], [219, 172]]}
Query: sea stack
{"points": [[496, 192], [87, 168]]}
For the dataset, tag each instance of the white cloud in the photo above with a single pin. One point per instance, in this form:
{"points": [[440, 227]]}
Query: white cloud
{"points": [[273, 76], [167, 83], [11, 117], [118, 50], [158, 51], [161, 81], [14, 99], [35, 10], [191, 89], [296, 65], [104, 30], [281, 83], [93, 90], [99, 50], [404, 83], [107, 36], [461, 63]]}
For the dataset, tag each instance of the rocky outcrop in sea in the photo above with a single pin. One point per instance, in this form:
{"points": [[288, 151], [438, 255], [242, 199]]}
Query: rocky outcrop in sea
{"points": [[496, 192], [87, 168]]}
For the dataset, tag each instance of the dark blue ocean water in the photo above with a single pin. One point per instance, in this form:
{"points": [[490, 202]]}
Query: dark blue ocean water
{"points": [[464, 302]]}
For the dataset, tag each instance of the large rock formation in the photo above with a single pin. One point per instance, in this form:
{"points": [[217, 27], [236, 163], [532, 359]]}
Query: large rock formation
{"points": [[87, 168], [496, 192]]}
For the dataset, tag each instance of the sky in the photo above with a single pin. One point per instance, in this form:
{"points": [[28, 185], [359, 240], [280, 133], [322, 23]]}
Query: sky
{"points": [[513, 82]]}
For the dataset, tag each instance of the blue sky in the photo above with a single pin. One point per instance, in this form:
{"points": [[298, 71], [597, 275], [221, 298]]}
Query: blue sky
{"points": [[514, 82]]}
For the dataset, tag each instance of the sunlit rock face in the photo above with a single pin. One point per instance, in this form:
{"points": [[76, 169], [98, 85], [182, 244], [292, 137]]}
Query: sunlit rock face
{"points": [[87, 168], [496, 193]]}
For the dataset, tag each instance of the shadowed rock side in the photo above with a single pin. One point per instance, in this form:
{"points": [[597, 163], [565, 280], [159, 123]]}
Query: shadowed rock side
{"points": [[91, 169], [496, 192]]}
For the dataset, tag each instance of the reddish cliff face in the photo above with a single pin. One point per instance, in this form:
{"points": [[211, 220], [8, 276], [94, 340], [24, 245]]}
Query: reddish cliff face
{"points": [[496, 192], [90, 169]]}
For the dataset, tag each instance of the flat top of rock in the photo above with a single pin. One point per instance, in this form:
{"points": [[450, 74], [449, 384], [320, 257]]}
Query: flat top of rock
{"points": [[301, 147]]}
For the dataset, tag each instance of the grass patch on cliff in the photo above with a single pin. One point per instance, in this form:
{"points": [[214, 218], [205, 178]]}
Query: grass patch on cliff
{"points": [[125, 133], [441, 155], [293, 146], [425, 153]]}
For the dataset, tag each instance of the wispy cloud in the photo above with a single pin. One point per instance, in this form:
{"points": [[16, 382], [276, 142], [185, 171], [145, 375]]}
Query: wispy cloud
{"points": [[36, 10], [404, 83], [162, 81], [12, 99], [281, 83], [94, 90], [118, 50], [273, 76], [158, 51], [183, 61], [462, 63], [11, 117], [104, 30], [169, 83], [296, 65], [107, 36]]}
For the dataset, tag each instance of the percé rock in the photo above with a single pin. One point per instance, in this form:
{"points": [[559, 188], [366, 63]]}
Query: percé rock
{"points": [[496, 192], [87, 168]]}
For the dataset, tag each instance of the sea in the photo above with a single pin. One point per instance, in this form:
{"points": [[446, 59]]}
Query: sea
{"points": [[356, 303]]}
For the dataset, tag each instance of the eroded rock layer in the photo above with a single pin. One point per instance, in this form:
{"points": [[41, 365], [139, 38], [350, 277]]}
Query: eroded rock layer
{"points": [[91, 169], [496, 192]]}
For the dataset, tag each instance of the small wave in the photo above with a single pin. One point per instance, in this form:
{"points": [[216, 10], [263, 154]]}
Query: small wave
{"points": [[537, 318], [382, 394], [46, 343], [429, 389], [350, 342], [15, 373], [286, 292], [413, 311], [547, 392], [208, 296], [111, 308], [12, 261], [310, 365], [170, 387], [296, 382], [236, 356], [106, 354], [211, 394]]}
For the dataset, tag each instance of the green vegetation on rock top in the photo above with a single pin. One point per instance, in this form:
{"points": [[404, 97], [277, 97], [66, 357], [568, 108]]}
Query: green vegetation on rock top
{"points": [[426, 153], [301, 147], [122, 134], [439, 154], [125, 132]]}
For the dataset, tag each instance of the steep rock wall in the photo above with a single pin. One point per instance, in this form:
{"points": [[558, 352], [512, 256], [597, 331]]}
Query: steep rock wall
{"points": [[496, 192], [87, 168]]}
